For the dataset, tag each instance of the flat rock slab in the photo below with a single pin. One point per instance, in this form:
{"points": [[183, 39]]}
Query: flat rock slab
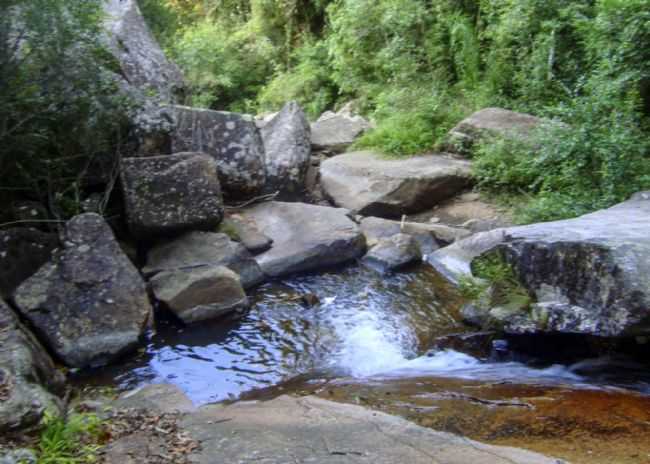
{"points": [[305, 237], [374, 185], [589, 275], [312, 430]]}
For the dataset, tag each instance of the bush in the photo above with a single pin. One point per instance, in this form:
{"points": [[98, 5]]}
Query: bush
{"points": [[60, 112], [71, 441]]}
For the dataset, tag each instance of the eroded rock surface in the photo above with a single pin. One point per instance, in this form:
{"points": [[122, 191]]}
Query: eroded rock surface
{"points": [[587, 275], [231, 139], [28, 379], [373, 185], [305, 237], [308, 429], [88, 303], [204, 249], [170, 194], [288, 150]]}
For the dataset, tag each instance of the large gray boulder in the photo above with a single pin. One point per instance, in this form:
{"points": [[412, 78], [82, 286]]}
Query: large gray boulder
{"points": [[589, 275], [200, 293], [170, 194], [204, 249], [232, 139], [305, 237], [22, 252], [373, 185], [28, 379], [313, 430], [143, 63], [88, 304], [288, 150], [335, 132], [490, 122], [393, 253]]}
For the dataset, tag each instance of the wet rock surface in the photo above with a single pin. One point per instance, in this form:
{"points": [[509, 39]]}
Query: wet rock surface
{"points": [[29, 382], [200, 293], [22, 252], [195, 250], [88, 303], [231, 139], [393, 253], [305, 237], [587, 275], [288, 151], [373, 185], [314, 430], [169, 194]]}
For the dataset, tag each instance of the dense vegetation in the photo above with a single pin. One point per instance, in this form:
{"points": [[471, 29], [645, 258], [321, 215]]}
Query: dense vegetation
{"points": [[60, 116], [415, 66], [418, 66]]}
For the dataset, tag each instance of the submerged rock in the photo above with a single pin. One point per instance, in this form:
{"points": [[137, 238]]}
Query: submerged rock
{"points": [[88, 303], [22, 252], [393, 253], [204, 249], [231, 139], [287, 144], [172, 193], [200, 293], [589, 275], [28, 379], [373, 185], [305, 237], [491, 121]]}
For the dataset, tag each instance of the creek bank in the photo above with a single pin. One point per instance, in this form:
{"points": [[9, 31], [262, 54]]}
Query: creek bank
{"points": [[588, 275]]}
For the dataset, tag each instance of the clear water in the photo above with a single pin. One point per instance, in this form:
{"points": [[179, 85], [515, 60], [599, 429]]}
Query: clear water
{"points": [[366, 326]]}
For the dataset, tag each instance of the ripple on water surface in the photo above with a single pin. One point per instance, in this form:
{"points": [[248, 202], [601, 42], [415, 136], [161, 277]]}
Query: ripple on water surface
{"points": [[366, 325]]}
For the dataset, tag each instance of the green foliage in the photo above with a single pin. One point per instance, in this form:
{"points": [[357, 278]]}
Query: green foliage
{"points": [[59, 109], [495, 283], [71, 441]]}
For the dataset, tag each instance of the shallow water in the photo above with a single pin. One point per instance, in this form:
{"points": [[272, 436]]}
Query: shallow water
{"points": [[367, 327]]}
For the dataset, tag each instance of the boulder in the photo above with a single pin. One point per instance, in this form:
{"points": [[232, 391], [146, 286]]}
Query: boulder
{"points": [[335, 132], [393, 253], [428, 236], [313, 430], [200, 293], [22, 252], [305, 237], [204, 249], [231, 139], [373, 185], [169, 194], [28, 379], [288, 150], [588, 275], [88, 303], [142, 62], [490, 122]]}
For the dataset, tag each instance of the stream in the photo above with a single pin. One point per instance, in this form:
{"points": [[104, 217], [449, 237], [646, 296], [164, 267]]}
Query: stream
{"points": [[368, 335]]}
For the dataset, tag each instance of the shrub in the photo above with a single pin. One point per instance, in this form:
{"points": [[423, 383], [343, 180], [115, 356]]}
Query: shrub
{"points": [[71, 441]]}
